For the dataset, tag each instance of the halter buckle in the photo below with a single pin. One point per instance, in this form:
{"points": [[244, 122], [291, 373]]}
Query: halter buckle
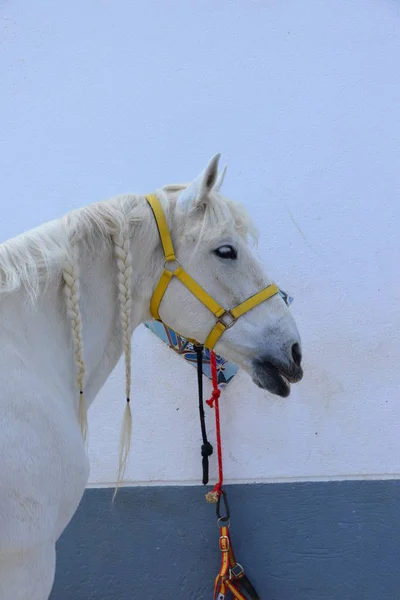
{"points": [[237, 571], [227, 319], [224, 544]]}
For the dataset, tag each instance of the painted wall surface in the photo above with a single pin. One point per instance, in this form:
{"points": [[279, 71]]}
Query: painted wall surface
{"points": [[302, 99], [296, 541]]}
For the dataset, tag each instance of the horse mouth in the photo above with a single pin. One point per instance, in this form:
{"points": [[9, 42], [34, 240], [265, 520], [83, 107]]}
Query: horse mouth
{"points": [[274, 379]]}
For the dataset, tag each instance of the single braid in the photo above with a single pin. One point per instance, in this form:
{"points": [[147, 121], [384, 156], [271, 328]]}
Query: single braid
{"points": [[72, 296], [124, 262]]}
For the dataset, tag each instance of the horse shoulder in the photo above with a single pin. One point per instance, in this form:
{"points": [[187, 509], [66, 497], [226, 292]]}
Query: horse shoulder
{"points": [[43, 464]]}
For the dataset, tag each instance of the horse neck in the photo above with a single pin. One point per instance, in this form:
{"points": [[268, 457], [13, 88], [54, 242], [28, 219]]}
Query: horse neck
{"points": [[43, 333]]}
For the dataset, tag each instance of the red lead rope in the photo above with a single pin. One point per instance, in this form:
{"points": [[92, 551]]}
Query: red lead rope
{"points": [[231, 577], [214, 402]]}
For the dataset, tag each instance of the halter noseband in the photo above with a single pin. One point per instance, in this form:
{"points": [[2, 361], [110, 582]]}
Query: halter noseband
{"points": [[225, 318]]}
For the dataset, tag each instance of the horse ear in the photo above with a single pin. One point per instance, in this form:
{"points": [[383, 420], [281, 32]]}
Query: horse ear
{"points": [[220, 180], [197, 191]]}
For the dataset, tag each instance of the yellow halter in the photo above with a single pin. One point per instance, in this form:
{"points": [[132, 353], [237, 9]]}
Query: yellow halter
{"points": [[225, 318]]}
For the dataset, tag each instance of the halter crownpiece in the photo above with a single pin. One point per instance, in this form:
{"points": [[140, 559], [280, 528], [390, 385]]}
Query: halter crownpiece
{"points": [[225, 318]]}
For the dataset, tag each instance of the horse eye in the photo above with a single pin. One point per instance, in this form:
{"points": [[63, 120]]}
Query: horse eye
{"points": [[227, 252]]}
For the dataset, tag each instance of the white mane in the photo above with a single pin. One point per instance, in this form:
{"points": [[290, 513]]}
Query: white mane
{"points": [[31, 258]]}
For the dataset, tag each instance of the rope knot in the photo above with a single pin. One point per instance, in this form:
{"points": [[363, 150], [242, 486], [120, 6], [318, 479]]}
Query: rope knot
{"points": [[214, 397], [212, 497], [216, 492], [206, 449]]}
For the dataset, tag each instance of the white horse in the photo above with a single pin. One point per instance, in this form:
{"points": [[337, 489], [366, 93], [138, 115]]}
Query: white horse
{"points": [[63, 330]]}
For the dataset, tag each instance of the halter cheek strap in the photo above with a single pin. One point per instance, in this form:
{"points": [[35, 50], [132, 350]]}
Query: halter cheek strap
{"points": [[172, 268]]}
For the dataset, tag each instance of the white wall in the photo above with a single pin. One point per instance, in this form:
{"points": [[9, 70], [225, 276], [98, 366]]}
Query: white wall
{"points": [[302, 99]]}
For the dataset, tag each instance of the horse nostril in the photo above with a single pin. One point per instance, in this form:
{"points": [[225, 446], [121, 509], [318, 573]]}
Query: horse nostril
{"points": [[296, 353]]}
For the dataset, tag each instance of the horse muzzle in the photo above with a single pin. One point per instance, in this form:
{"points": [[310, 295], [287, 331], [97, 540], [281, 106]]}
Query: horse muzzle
{"points": [[275, 376]]}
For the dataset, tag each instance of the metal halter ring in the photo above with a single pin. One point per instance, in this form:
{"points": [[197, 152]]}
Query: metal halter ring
{"points": [[174, 262], [223, 522]]}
